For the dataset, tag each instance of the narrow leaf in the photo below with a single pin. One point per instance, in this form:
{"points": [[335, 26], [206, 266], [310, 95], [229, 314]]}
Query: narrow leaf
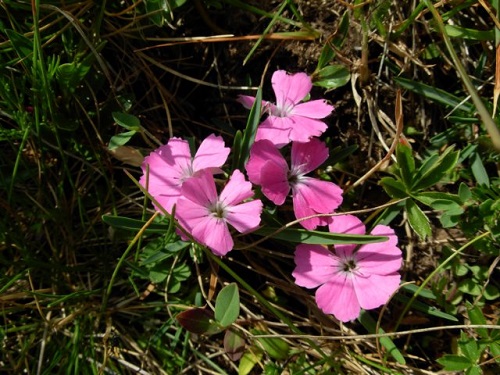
{"points": [[417, 219], [406, 164], [134, 225]]}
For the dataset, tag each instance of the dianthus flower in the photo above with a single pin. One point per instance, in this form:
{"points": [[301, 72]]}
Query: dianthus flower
{"points": [[290, 119], [268, 168], [166, 168], [350, 278], [206, 216]]}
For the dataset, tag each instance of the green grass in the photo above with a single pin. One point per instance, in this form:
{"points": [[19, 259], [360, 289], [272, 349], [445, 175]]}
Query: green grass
{"points": [[87, 89]]}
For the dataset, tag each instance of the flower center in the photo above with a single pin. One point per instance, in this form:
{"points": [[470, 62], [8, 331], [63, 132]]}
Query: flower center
{"points": [[349, 265], [218, 210]]}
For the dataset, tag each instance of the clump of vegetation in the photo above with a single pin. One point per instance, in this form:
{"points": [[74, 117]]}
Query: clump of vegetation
{"points": [[101, 273]]}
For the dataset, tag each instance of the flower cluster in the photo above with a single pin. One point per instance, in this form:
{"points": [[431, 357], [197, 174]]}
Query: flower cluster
{"points": [[348, 277]]}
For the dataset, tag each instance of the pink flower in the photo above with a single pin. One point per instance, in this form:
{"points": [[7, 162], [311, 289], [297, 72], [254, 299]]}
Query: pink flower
{"points": [[310, 196], [350, 279], [206, 216], [172, 164], [290, 119]]}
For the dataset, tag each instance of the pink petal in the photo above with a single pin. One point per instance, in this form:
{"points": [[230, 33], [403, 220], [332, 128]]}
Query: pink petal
{"points": [[167, 198], [305, 128], [200, 189], [210, 154], [380, 258], [348, 224], [246, 101], [190, 213], [177, 153], [245, 217], [290, 88], [236, 190], [261, 152], [309, 155], [275, 129], [312, 196], [338, 297], [274, 182], [214, 233], [315, 265], [316, 109], [375, 290]]}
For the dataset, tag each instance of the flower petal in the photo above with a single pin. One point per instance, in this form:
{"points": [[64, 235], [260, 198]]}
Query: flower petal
{"points": [[338, 297], [274, 182], [275, 129], [261, 152], [200, 189], [214, 233], [245, 217], [312, 196], [236, 190], [305, 128], [316, 109], [381, 258], [347, 224], [308, 156], [290, 88], [190, 213], [314, 265], [375, 290], [246, 101], [210, 154]]}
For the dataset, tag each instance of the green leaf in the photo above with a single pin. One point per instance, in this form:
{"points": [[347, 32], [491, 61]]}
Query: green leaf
{"points": [[418, 220], [455, 31], [275, 347], [134, 225], [120, 139], [250, 130], [469, 347], [234, 344], [70, 75], [437, 95], [369, 323], [469, 286], [430, 197], [328, 53], [394, 188], [313, 237], [452, 362], [249, 360], [430, 174], [464, 192], [478, 170], [476, 317], [332, 77], [22, 45], [227, 305], [429, 310], [406, 164], [127, 121]]}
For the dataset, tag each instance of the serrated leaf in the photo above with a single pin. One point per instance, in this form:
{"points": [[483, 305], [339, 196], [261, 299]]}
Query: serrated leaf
{"points": [[313, 237], [394, 188], [452, 362], [199, 321], [418, 220], [227, 305]]}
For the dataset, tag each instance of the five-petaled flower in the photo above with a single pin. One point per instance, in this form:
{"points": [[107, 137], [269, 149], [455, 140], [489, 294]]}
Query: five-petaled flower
{"points": [[166, 168], [206, 216], [268, 168], [350, 278], [290, 119]]}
